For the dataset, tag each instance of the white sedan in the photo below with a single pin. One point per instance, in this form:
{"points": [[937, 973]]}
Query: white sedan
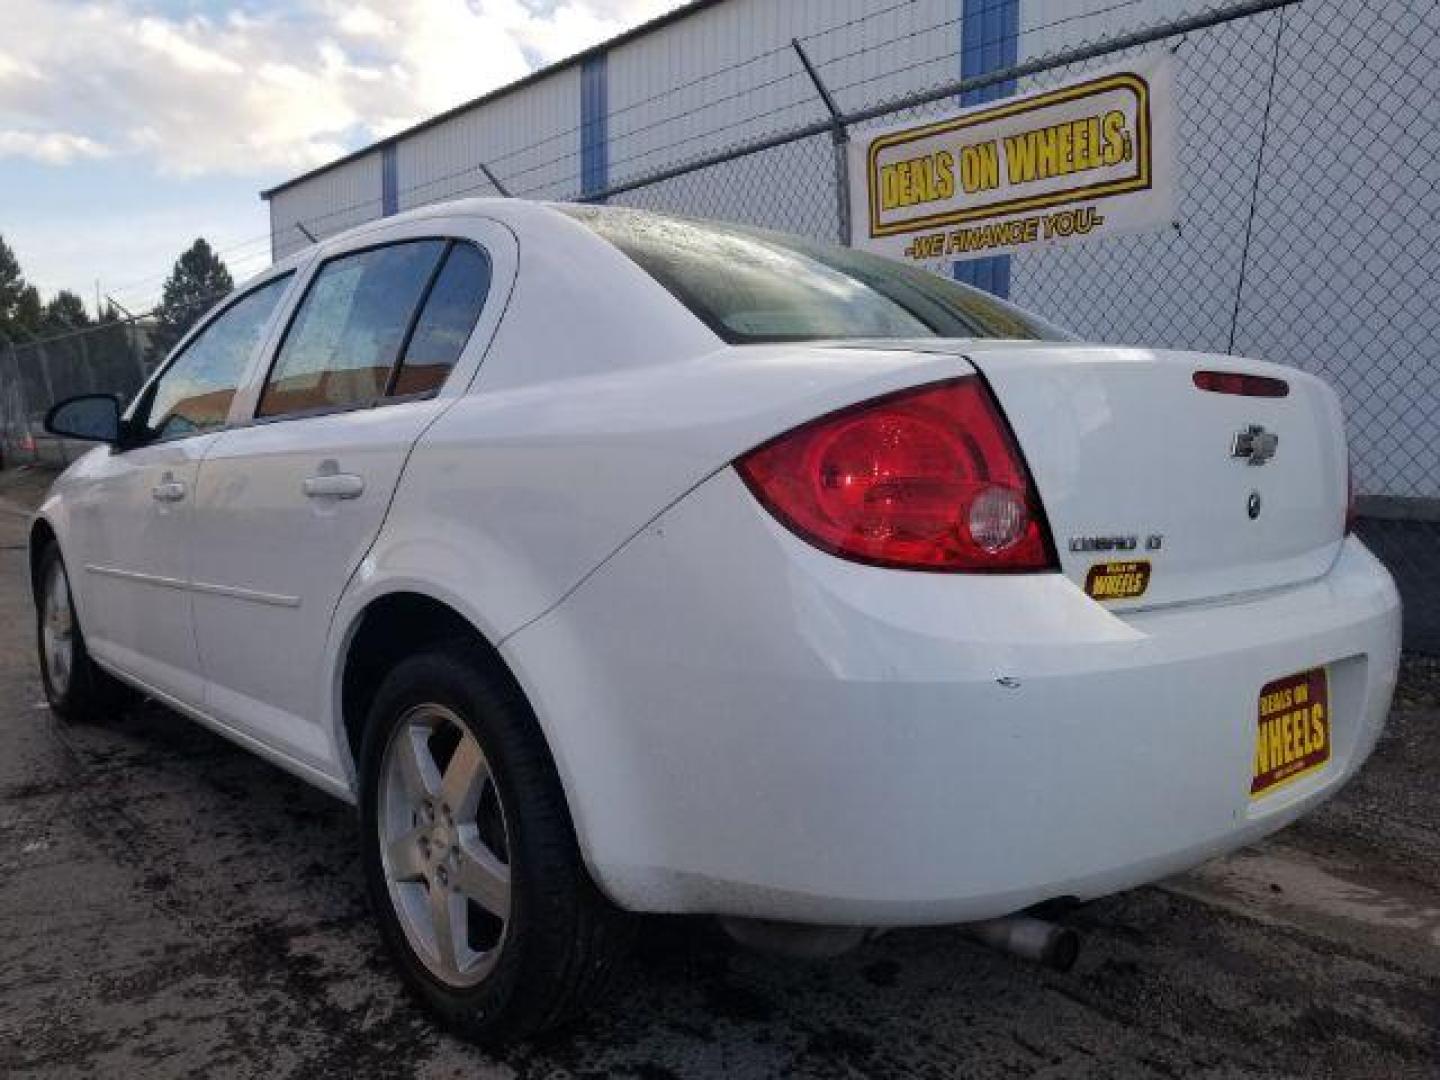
{"points": [[617, 563]]}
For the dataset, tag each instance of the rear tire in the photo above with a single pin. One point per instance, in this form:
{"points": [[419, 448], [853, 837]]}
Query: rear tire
{"points": [[470, 857], [77, 689]]}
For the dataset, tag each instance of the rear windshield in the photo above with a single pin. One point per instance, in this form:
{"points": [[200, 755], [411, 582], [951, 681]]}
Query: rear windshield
{"points": [[751, 285]]}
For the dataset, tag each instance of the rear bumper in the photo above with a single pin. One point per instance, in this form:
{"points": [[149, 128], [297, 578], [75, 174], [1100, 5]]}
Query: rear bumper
{"points": [[748, 726]]}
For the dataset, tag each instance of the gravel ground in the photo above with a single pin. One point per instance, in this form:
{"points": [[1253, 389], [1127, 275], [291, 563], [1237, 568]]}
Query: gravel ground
{"points": [[170, 906]]}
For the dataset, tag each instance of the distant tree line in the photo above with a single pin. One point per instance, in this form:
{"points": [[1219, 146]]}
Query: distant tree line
{"points": [[198, 279], [22, 316], [60, 348]]}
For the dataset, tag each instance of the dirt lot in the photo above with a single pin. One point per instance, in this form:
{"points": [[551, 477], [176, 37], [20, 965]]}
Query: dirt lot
{"points": [[170, 906]]}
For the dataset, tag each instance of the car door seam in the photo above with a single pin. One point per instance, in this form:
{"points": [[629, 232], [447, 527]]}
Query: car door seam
{"points": [[462, 393]]}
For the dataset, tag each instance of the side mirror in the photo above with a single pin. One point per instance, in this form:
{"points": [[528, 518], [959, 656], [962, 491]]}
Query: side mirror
{"points": [[93, 417]]}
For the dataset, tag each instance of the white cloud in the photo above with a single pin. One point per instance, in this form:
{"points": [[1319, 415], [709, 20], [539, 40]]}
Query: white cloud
{"points": [[50, 147], [264, 90]]}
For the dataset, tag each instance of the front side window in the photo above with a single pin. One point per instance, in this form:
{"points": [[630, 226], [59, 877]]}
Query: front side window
{"points": [[345, 340], [752, 285], [194, 393]]}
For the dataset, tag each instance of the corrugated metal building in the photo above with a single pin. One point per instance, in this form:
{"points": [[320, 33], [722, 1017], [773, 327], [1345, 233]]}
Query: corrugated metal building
{"points": [[710, 74], [716, 73]]}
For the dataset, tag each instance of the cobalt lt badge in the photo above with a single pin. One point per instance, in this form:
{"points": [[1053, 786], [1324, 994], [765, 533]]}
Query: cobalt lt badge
{"points": [[1252, 505]]}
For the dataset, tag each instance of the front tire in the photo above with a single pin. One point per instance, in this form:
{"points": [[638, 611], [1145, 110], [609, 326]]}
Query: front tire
{"points": [[470, 858], [76, 688]]}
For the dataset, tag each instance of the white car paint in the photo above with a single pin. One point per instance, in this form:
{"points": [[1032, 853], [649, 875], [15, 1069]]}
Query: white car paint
{"points": [[750, 726], [133, 565], [273, 566], [744, 724], [1109, 432]]}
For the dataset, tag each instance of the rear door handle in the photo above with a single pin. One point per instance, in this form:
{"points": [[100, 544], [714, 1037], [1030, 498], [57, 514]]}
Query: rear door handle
{"points": [[334, 486], [169, 489]]}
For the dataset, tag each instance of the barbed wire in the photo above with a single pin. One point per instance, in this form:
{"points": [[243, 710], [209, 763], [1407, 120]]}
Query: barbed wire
{"points": [[512, 180], [668, 92], [228, 250], [947, 23]]}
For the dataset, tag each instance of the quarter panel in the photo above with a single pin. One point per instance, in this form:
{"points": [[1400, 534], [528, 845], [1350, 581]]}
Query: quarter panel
{"points": [[516, 494]]}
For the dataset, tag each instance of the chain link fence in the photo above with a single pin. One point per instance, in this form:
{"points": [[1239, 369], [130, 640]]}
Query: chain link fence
{"points": [[1309, 166], [115, 357], [1306, 233]]}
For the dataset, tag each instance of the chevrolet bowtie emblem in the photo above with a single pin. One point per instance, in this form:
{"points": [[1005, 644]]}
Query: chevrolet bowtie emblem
{"points": [[1255, 444]]}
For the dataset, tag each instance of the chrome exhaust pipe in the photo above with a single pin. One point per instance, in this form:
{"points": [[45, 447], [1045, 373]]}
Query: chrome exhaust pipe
{"points": [[1041, 942]]}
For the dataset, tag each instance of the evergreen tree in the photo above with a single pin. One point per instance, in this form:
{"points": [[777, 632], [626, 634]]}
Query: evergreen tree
{"points": [[17, 300], [197, 282], [28, 316], [65, 311]]}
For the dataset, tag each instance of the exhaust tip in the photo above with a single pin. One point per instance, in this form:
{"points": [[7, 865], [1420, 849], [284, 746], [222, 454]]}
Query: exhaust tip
{"points": [[1063, 951], [1041, 942]]}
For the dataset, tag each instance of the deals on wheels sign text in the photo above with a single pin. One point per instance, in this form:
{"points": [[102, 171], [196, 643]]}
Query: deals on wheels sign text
{"points": [[1088, 159]]}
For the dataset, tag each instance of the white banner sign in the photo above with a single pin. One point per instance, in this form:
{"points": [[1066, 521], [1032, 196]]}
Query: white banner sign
{"points": [[1088, 159]]}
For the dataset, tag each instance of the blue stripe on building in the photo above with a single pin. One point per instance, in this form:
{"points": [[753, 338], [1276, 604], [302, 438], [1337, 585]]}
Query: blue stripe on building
{"points": [[989, 32], [594, 126], [389, 181]]}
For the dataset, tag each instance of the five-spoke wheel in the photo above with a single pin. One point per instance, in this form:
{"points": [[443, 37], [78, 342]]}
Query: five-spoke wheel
{"points": [[470, 856], [444, 845], [57, 629]]}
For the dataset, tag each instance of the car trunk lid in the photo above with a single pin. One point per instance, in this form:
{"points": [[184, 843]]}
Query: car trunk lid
{"points": [[1135, 464]]}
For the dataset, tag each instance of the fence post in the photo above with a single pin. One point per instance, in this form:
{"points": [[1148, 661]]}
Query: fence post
{"points": [[12, 398], [1255, 186], [92, 384], [90, 381], [495, 181], [840, 137], [20, 398], [132, 346], [42, 357]]}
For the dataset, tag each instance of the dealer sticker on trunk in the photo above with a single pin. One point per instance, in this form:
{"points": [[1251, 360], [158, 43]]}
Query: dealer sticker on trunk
{"points": [[1293, 737], [1118, 580]]}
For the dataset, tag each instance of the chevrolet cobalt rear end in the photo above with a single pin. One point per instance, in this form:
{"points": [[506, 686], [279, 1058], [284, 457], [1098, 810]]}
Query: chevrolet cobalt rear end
{"points": [[615, 563]]}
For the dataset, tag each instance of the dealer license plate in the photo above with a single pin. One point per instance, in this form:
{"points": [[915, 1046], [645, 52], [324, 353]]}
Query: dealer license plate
{"points": [[1292, 738]]}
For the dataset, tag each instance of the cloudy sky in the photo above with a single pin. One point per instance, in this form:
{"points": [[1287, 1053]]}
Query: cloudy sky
{"points": [[128, 127]]}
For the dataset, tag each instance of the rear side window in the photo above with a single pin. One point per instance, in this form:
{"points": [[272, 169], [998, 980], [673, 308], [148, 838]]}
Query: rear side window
{"points": [[194, 393], [346, 337], [444, 326]]}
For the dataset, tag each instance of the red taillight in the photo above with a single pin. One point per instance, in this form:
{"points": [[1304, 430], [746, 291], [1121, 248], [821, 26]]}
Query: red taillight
{"points": [[927, 479], [1235, 382]]}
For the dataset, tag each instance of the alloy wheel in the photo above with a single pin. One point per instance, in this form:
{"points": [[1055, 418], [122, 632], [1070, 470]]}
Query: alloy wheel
{"points": [[57, 631], [444, 845]]}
